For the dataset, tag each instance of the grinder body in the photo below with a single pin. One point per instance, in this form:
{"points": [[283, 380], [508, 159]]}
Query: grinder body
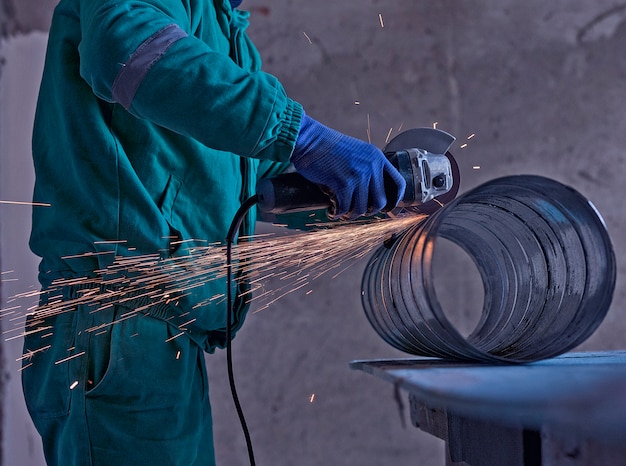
{"points": [[420, 155]]}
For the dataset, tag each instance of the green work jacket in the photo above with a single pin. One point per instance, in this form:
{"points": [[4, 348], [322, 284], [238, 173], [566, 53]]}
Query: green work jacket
{"points": [[153, 124]]}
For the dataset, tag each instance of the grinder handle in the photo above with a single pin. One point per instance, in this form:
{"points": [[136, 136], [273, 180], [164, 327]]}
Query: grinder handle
{"points": [[290, 192]]}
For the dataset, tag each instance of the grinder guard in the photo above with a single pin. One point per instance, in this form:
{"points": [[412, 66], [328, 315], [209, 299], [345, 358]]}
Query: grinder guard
{"points": [[432, 143]]}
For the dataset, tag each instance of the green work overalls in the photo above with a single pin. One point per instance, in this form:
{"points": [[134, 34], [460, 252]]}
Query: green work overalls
{"points": [[153, 124]]}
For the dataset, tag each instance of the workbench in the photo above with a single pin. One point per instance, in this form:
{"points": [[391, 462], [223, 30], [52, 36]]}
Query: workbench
{"points": [[565, 411]]}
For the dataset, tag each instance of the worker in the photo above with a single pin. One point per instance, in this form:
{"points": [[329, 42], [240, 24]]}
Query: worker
{"points": [[154, 122]]}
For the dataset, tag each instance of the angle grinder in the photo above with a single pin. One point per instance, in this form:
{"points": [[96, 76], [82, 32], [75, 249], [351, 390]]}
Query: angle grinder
{"points": [[422, 157]]}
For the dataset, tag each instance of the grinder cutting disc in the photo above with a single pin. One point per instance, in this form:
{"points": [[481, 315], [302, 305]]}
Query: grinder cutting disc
{"points": [[435, 141]]}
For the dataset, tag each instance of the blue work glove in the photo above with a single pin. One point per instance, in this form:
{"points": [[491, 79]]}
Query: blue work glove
{"points": [[354, 172]]}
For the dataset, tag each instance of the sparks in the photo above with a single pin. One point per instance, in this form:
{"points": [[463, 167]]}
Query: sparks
{"points": [[74, 385], [174, 337], [307, 37], [33, 204], [463, 146], [312, 399], [29, 354], [25, 367], [61, 361], [388, 135], [292, 261], [476, 167], [380, 18]]}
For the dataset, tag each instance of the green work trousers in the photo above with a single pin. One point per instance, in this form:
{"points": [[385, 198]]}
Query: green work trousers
{"points": [[113, 387]]}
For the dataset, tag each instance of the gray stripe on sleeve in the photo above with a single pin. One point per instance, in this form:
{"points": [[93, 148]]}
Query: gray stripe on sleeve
{"points": [[147, 54]]}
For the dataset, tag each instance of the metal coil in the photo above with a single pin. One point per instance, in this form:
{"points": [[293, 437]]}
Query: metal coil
{"points": [[545, 259]]}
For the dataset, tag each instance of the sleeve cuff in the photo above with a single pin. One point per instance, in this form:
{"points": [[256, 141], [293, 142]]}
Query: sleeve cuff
{"points": [[292, 118]]}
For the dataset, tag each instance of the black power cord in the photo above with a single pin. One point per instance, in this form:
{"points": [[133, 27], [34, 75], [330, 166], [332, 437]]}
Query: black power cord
{"points": [[230, 239]]}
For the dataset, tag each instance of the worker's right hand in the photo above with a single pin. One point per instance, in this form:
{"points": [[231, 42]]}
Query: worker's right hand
{"points": [[355, 172]]}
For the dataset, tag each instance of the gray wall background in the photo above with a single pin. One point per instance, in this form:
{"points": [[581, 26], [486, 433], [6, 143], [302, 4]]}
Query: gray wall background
{"points": [[540, 84]]}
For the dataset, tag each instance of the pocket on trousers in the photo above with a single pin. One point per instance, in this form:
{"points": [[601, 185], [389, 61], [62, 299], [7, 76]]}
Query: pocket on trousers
{"points": [[45, 381], [144, 363], [101, 360]]}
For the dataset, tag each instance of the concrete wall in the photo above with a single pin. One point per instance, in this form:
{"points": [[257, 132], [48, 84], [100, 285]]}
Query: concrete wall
{"points": [[541, 86], [23, 58], [25, 16]]}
